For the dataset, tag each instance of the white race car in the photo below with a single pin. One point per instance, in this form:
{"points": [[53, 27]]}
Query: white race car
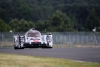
{"points": [[33, 38]]}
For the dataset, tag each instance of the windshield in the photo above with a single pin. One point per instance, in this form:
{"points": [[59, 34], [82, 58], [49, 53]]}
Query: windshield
{"points": [[33, 34]]}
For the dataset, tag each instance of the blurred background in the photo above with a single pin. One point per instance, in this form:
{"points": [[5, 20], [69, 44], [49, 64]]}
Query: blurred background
{"points": [[70, 21]]}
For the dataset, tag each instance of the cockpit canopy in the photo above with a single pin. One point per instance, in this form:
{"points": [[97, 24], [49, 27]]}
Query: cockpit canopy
{"points": [[33, 33]]}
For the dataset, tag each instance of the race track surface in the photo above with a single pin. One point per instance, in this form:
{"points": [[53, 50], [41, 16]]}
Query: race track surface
{"points": [[79, 54]]}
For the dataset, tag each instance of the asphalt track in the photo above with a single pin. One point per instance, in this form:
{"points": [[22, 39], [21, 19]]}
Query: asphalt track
{"points": [[79, 54]]}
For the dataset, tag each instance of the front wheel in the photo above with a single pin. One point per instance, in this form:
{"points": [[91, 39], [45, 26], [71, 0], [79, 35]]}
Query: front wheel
{"points": [[22, 48], [19, 47], [15, 47]]}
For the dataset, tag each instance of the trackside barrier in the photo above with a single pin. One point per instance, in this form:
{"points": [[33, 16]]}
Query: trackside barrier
{"points": [[60, 39]]}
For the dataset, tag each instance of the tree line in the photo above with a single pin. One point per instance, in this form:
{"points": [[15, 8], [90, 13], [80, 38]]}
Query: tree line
{"points": [[50, 15], [57, 22]]}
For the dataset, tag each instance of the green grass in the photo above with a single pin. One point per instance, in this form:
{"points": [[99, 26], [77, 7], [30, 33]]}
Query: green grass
{"points": [[6, 44], [75, 45], [11, 60]]}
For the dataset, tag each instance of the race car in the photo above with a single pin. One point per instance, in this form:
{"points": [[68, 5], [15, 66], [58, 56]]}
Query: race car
{"points": [[33, 39]]}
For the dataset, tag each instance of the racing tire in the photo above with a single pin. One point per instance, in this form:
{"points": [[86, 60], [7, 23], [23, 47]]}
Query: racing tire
{"points": [[18, 47], [15, 47], [22, 48]]}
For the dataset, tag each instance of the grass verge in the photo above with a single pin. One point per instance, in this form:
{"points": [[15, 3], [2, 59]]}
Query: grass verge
{"points": [[11, 60]]}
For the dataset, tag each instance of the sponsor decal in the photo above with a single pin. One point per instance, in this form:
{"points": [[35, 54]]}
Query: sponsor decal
{"points": [[35, 40]]}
